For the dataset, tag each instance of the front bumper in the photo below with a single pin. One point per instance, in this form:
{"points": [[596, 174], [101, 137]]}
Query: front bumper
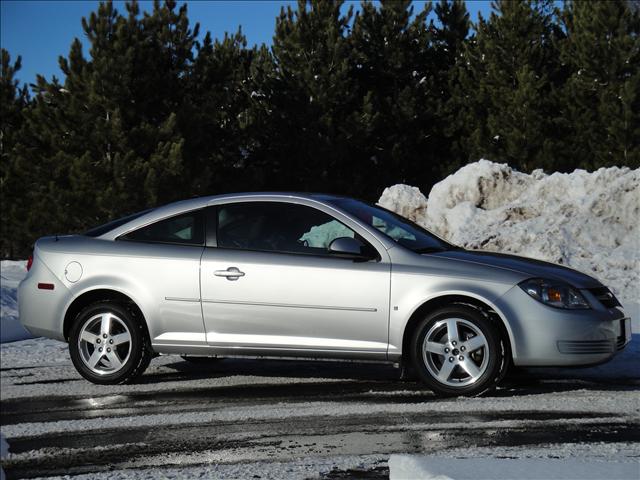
{"points": [[546, 336]]}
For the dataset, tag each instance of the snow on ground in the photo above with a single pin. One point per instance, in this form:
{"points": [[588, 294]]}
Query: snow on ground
{"points": [[11, 272], [588, 221], [409, 467], [298, 469]]}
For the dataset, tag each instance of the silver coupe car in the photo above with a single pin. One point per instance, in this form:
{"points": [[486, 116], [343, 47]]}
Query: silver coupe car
{"points": [[308, 275]]}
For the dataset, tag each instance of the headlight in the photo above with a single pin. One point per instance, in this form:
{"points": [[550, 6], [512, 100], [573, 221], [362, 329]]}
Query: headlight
{"points": [[554, 293]]}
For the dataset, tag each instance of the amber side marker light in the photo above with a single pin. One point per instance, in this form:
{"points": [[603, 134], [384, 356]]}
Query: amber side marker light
{"points": [[45, 286], [555, 295]]}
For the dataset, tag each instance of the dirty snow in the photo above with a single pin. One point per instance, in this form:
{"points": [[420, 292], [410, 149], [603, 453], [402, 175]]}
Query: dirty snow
{"points": [[11, 272]]}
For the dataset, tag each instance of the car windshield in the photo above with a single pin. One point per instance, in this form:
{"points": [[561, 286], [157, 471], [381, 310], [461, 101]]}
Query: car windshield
{"points": [[107, 227], [394, 226]]}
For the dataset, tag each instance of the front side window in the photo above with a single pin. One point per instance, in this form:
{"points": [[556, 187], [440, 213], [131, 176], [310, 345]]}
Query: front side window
{"points": [[399, 229], [186, 229], [278, 227]]}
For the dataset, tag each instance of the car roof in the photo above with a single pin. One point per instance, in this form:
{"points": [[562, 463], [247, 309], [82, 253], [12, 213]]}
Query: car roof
{"points": [[181, 206], [214, 199]]}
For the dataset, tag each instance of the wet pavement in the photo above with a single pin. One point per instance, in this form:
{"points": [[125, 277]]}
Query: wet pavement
{"points": [[201, 421]]}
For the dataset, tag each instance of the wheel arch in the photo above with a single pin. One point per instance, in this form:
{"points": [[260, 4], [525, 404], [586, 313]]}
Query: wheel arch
{"points": [[478, 303], [100, 295]]}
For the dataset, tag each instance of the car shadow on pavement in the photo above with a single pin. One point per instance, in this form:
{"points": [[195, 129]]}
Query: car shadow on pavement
{"points": [[380, 378]]}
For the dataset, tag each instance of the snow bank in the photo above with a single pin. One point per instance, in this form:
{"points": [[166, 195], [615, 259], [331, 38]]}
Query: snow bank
{"points": [[11, 272], [434, 468], [588, 221]]}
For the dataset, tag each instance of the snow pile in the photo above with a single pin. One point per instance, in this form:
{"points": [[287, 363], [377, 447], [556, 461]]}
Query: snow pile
{"points": [[405, 200], [588, 221], [11, 273], [434, 468], [321, 236]]}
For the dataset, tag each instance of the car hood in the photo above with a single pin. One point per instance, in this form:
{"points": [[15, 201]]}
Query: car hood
{"points": [[526, 266]]}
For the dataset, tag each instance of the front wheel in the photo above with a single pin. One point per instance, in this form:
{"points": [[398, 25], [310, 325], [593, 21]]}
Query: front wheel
{"points": [[458, 351], [108, 345]]}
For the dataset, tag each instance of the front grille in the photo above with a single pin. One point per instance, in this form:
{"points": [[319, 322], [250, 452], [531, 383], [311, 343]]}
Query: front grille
{"points": [[605, 297], [587, 347]]}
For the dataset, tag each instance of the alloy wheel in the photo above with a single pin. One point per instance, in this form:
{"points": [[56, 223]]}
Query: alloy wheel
{"points": [[455, 352], [104, 343]]}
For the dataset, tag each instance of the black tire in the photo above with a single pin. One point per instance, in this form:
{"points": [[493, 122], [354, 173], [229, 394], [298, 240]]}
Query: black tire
{"points": [[140, 353], [200, 360], [496, 349]]}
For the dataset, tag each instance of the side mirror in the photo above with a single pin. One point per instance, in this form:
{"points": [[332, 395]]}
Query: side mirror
{"points": [[348, 247]]}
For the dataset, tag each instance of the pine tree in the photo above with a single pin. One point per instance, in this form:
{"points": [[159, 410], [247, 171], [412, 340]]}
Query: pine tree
{"points": [[449, 40], [512, 82], [108, 140], [394, 135], [13, 101], [306, 93], [217, 119], [450, 35], [602, 96]]}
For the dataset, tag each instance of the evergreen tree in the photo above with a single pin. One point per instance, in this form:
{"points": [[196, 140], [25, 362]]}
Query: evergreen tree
{"points": [[13, 101], [450, 35], [107, 141], [217, 118], [394, 135], [306, 90], [511, 84], [449, 40], [341, 102], [602, 97]]}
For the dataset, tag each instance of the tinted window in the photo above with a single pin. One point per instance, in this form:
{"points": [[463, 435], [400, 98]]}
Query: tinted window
{"points": [[399, 229], [107, 227], [185, 229], [278, 227]]}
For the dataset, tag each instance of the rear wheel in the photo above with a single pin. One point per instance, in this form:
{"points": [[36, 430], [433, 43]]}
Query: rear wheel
{"points": [[456, 350], [108, 345]]}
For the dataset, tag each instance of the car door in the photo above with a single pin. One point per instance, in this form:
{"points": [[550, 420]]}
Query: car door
{"points": [[270, 285]]}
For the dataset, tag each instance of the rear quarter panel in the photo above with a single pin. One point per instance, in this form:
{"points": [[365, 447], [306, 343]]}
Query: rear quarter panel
{"points": [[148, 274]]}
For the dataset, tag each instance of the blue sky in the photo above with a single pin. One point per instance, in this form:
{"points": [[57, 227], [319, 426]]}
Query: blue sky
{"points": [[41, 30]]}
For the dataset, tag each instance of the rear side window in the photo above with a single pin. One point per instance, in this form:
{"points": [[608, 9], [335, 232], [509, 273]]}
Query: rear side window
{"points": [[107, 227], [185, 229]]}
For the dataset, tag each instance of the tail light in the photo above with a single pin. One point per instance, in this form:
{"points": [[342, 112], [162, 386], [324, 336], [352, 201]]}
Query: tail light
{"points": [[29, 262]]}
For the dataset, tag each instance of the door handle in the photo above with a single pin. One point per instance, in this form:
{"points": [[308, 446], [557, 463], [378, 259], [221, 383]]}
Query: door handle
{"points": [[231, 273]]}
